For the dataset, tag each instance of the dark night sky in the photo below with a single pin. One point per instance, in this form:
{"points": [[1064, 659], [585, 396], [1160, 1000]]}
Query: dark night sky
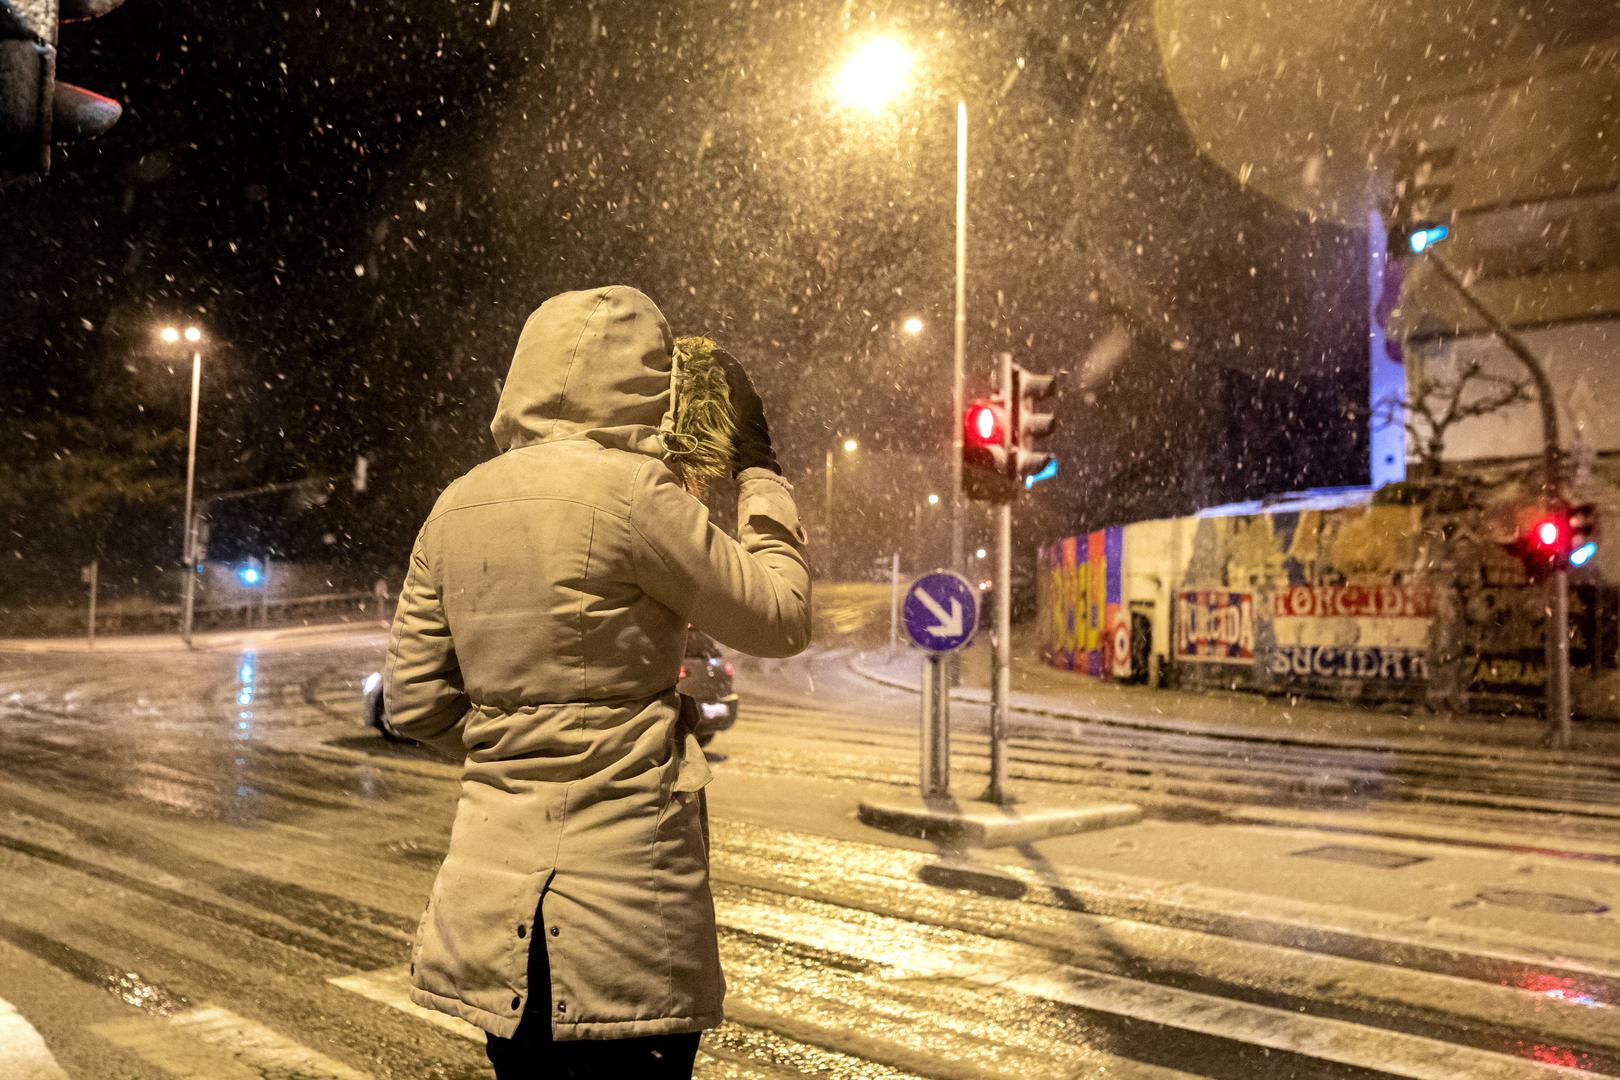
{"points": [[360, 206]]}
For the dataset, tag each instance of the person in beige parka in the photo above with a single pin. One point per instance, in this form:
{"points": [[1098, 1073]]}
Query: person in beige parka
{"points": [[538, 640]]}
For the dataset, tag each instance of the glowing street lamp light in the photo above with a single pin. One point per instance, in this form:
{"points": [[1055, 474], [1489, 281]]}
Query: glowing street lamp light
{"points": [[169, 335], [933, 500], [874, 75], [850, 446], [912, 326]]}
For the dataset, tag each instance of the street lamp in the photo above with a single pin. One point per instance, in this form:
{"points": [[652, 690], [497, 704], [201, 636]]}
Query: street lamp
{"points": [[850, 445], [874, 75], [912, 326], [172, 335]]}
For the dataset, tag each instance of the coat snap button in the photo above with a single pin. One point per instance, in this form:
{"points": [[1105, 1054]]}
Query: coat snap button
{"points": [[516, 1002], [562, 1007], [523, 931], [555, 931]]}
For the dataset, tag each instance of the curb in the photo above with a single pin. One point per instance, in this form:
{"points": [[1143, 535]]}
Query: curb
{"points": [[976, 824], [973, 696], [211, 641]]}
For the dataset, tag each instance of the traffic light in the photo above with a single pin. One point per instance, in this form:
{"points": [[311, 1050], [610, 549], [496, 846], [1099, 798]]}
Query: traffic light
{"points": [[35, 109], [999, 434], [1543, 539], [1582, 534], [1420, 214], [1029, 425], [987, 452]]}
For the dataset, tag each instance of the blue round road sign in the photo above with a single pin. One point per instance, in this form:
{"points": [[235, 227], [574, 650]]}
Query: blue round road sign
{"points": [[941, 611]]}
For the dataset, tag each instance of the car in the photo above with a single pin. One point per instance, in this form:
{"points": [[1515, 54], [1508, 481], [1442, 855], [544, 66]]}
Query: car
{"points": [[706, 677]]}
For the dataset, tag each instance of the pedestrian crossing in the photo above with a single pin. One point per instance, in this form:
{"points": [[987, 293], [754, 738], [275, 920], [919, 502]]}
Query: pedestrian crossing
{"points": [[861, 978], [1455, 799], [847, 956], [23, 1053], [211, 1043]]}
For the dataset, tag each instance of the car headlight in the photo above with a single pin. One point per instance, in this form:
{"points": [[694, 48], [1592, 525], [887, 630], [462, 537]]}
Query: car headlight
{"points": [[713, 710]]}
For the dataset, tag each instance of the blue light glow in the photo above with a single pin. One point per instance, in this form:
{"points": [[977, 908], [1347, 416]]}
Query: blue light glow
{"points": [[249, 575], [1583, 554], [1046, 473], [1427, 238]]}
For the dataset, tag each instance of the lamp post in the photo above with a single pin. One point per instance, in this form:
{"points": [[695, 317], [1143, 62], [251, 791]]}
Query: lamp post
{"points": [[173, 335], [850, 446], [873, 76]]}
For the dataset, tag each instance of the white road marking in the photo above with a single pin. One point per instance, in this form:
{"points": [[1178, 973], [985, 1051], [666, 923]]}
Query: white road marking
{"points": [[391, 987], [210, 1043], [23, 1054], [913, 952]]}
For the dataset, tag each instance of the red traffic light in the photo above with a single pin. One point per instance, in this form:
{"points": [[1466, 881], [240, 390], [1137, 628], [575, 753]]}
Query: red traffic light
{"points": [[1550, 534], [985, 425]]}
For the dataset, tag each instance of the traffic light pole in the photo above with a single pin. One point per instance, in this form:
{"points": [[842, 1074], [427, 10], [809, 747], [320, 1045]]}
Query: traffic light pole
{"points": [[1001, 643], [188, 592], [1559, 733], [1001, 660]]}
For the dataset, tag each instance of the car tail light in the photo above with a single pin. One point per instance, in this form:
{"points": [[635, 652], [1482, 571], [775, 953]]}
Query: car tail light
{"points": [[729, 669], [683, 671]]}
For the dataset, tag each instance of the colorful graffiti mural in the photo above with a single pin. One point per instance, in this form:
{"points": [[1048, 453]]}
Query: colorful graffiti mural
{"points": [[1214, 627], [1087, 627], [1331, 599]]}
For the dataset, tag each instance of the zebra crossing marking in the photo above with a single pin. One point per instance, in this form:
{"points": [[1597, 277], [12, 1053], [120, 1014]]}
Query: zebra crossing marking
{"points": [[211, 1043], [23, 1053], [390, 986], [911, 953]]}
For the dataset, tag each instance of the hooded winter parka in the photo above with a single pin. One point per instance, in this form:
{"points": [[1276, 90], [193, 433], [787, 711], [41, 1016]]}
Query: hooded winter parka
{"points": [[538, 639]]}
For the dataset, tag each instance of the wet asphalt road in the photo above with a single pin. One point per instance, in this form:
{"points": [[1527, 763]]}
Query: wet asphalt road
{"points": [[207, 869]]}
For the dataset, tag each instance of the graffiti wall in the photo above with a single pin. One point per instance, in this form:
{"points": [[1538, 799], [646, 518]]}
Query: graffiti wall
{"points": [[1086, 626], [1214, 627], [1366, 633], [1322, 600], [1310, 600]]}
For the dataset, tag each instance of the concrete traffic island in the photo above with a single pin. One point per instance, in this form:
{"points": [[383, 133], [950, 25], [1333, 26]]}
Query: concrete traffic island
{"points": [[970, 823]]}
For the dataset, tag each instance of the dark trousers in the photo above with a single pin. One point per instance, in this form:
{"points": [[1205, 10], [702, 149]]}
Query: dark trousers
{"points": [[531, 1055]]}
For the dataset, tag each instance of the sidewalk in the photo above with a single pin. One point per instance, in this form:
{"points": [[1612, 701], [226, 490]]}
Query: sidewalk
{"points": [[1044, 691]]}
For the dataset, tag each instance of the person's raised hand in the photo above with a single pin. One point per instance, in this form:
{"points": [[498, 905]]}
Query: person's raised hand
{"points": [[751, 448]]}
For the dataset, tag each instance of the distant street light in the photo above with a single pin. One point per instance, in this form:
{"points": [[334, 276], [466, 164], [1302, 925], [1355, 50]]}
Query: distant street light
{"points": [[979, 554], [933, 500], [171, 335], [850, 445], [875, 75], [912, 326]]}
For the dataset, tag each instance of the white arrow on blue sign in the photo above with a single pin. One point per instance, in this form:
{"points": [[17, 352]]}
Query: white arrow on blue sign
{"points": [[941, 611]]}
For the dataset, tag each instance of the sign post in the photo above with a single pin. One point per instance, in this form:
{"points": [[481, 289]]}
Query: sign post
{"points": [[89, 575], [941, 613], [894, 602]]}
